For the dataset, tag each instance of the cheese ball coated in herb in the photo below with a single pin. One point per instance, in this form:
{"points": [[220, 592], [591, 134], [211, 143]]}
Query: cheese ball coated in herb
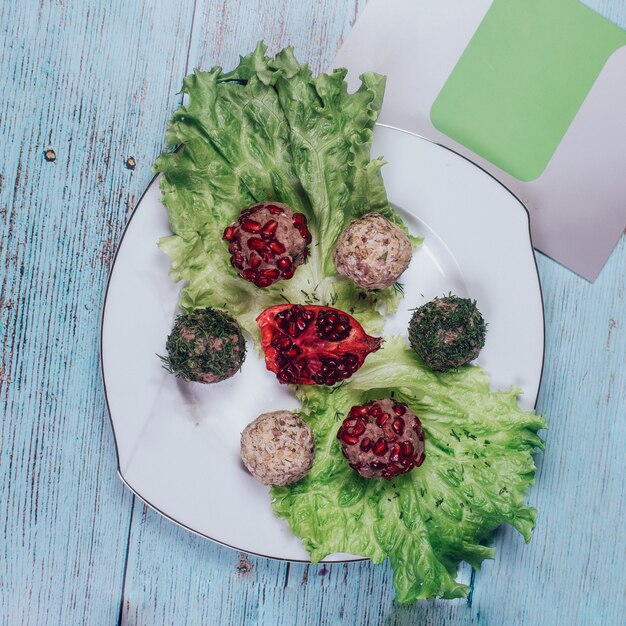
{"points": [[205, 346], [278, 448], [372, 252], [447, 332]]}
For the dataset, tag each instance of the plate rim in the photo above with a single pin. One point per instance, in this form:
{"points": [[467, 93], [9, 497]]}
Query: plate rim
{"points": [[101, 343]]}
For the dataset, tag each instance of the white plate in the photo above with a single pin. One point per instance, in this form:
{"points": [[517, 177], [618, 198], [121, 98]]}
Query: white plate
{"points": [[178, 443]]}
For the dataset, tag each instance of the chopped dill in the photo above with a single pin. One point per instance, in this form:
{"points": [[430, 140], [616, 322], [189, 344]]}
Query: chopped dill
{"points": [[398, 288]]}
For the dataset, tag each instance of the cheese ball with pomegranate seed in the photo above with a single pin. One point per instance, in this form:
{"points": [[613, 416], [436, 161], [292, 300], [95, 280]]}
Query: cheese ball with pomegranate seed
{"points": [[382, 439], [278, 448], [268, 242], [372, 252]]}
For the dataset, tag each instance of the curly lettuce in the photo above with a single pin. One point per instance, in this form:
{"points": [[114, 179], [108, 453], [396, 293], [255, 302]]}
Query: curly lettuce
{"points": [[269, 130], [478, 469]]}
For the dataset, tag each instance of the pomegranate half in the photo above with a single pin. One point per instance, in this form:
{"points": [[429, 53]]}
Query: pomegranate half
{"points": [[313, 345]]}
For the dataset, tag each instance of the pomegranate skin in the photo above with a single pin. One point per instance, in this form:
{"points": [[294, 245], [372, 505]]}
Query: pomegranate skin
{"points": [[382, 439], [267, 242], [313, 345]]}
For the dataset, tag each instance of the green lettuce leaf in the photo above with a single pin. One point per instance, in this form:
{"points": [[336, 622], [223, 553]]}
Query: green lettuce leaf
{"points": [[478, 468], [269, 130]]}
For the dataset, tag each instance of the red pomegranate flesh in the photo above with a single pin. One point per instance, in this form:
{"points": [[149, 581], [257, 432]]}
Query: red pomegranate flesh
{"points": [[313, 345], [383, 439], [267, 242]]}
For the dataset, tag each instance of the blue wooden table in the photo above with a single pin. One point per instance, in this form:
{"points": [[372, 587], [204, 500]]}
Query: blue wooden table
{"points": [[86, 89]]}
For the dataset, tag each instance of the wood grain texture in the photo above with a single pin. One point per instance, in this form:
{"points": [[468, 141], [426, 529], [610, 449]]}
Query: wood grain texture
{"points": [[77, 78], [95, 82]]}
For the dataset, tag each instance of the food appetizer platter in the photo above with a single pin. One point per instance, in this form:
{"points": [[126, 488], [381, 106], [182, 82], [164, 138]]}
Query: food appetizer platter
{"points": [[333, 367]]}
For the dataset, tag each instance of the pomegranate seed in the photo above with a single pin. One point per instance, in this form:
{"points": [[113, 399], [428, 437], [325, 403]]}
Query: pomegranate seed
{"points": [[395, 453], [229, 233], [276, 247], [366, 444], [289, 273], [237, 260], [399, 409], [381, 420], [420, 460], [407, 449], [299, 219], [358, 411], [392, 470], [359, 428], [304, 233], [255, 260], [351, 422], [249, 274], [269, 229], [292, 352], [420, 435], [281, 342], [351, 361], [333, 327], [270, 273], [250, 226], [256, 244], [275, 210], [380, 447], [376, 410], [417, 425], [263, 281], [350, 439], [398, 426], [284, 263], [378, 465]]}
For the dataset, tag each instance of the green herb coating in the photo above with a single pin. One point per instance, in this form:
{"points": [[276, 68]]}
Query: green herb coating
{"points": [[447, 332], [205, 346]]}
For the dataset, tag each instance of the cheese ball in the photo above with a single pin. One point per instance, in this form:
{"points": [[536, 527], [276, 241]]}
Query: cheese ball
{"points": [[205, 346], [372, 252], [447, 332], [278, 448], [382, 439], [268, 242]]}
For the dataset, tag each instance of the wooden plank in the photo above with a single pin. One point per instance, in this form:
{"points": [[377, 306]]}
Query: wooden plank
{"points": [[94, 82], [572, 572], [225, 30]]}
